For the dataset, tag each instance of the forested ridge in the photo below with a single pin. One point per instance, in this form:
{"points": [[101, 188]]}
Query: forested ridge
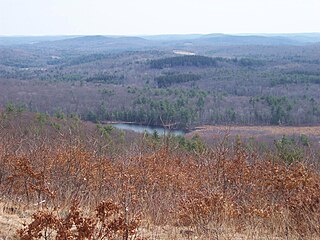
{"points": [[240, 85]]}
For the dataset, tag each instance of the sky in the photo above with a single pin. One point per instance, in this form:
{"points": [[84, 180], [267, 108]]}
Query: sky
{"points": [[152, 17]]}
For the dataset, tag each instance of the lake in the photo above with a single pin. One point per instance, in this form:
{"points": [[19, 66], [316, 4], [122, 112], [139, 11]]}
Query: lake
{"points": [[142, 128]]}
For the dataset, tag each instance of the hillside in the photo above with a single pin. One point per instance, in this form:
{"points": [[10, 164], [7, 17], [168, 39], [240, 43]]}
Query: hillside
{"points": [[144, 81], [60, 176], [96, 43], [246, 40]]}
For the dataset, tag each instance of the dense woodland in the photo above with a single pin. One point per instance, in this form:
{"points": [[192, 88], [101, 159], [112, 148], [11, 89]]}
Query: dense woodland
{"points": [[144, 81]]}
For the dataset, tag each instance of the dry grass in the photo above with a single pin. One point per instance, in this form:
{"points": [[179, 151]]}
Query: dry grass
{"points": [[258, 130], [259, 133], [13, 216]]}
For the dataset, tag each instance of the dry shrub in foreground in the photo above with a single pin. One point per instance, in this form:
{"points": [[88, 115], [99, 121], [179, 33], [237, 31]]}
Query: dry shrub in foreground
{"points": [[108, 223], [220, 189], [275, 198]]}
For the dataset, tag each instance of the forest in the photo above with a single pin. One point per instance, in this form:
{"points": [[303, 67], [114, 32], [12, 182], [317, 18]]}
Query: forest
{"points": [[229, 84]]}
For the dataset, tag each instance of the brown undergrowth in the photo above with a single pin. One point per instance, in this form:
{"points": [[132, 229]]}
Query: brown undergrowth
{"points": [[108, 222], [205, 195], [203, 192]]}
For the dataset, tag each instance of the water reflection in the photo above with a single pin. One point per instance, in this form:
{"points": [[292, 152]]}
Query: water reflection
{"points": [[148, 129]]}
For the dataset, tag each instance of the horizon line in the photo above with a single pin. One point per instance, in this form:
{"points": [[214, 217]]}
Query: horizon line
{"points": [[150, 35]]}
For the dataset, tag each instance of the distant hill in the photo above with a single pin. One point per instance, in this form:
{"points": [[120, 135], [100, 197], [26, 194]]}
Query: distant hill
{"points": [[21, 40], [305, 37], [98, 43], [173, 37], [239, 39], [114, 43], [221, 39], [117, 43]]}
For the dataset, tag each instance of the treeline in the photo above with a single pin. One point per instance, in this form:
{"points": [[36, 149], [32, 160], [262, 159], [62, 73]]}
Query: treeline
{"points": [[296, 78], [170, 79], [181, 112], [183, 61], [247, 62], [106, 78], [19, 62], [280, 109], [202, 61], [82, 59]]}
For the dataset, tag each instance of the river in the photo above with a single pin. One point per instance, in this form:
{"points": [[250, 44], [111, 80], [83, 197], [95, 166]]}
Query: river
{"points": [[142, 128]]}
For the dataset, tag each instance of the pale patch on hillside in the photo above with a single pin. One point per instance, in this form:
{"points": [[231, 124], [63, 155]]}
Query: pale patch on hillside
{"points": [[178, 52]]}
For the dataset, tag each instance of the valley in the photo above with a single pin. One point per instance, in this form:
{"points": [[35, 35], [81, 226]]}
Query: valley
{"points": [[160, 137]]}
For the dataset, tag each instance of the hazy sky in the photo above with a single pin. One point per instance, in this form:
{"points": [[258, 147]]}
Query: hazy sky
{"points": [[142, 17]]}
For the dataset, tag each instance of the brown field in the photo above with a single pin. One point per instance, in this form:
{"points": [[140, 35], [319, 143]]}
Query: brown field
{"points": [[257, 132]]}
